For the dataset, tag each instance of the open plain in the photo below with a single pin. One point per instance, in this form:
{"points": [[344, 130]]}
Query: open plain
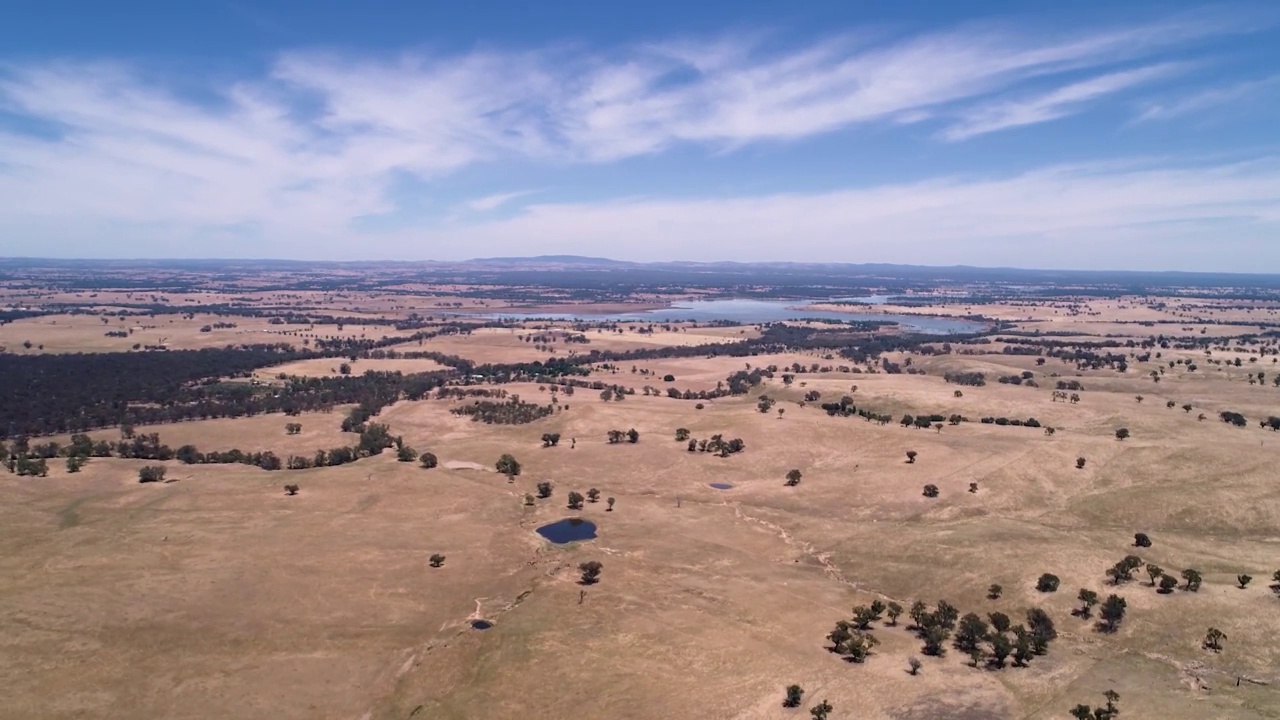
{"points": [[213, 593]]}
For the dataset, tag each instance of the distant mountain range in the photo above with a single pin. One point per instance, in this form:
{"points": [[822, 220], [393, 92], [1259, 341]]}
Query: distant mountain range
{"points": [[598, 271]]}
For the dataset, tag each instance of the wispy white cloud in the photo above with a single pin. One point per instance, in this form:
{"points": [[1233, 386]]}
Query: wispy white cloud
{"points": [[1116, 214], [1059, 103], [493, 202], [1208, 98], [302, 153]]}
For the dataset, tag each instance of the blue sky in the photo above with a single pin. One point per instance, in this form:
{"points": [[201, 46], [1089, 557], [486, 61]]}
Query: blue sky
{"points": [[1085, 135]]}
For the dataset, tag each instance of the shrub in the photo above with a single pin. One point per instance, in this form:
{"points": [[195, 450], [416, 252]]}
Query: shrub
{"points": [[507, 465], [590, 572], [795, 693]]}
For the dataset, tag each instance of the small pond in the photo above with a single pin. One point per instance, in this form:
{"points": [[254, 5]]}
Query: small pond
{"points": [[568, 530], [481, 624], [722, 486]]}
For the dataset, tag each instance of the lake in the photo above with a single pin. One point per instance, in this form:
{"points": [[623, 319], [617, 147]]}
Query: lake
{"points": [[750, 311]]}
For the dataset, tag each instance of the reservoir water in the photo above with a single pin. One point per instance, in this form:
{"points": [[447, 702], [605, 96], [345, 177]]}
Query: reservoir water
{"points": [[750, 311]]}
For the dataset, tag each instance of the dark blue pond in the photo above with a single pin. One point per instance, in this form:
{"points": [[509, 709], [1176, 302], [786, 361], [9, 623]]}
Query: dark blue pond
{"points": [[568, 530], [722, 486], [760, 311], [481, 624]]}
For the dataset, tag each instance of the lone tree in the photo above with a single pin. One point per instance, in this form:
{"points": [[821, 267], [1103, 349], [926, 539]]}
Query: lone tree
{"points": [[1167, 584], [1155, 572], [1122, 433], [575, 500], [550, 439], [290, 489], [428, 460], [508, 465], [1048, 583], [914, 664], [994, 592], [999, 621], [911, 456], [1088, 598], [1112, 697], [795, 694], [931, 491], [1000, 648], [793, 477], [893, 610], [436, 560], [75, 462], [1193, 580], [633, 436], [528, 499], [682, 434], [151, 473], [609, 502], [1213, 639], [821, 710], [973, 487], [1080, 463], [1243, 580], [590, 572], [1112, 613], [1141, 540], [593, 495], [406, 454], [544, 490]]}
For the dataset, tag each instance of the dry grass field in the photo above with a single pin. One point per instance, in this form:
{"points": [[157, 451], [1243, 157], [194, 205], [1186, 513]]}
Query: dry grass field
{"points": [[217, 595], [88, 333]]}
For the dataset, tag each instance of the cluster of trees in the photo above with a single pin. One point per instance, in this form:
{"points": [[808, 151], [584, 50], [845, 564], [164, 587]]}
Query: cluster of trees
{"points": [[1029, 422], [617, 436], [73, 393], [1233, 418], [374, 438], [846, 408], [974, 379], [616, 392], [26, 465], [1026, 378], [1110, 615], [717, 445], [575, 498], [511, 412], [992, 640], [1102, 712], [47, 394]]}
